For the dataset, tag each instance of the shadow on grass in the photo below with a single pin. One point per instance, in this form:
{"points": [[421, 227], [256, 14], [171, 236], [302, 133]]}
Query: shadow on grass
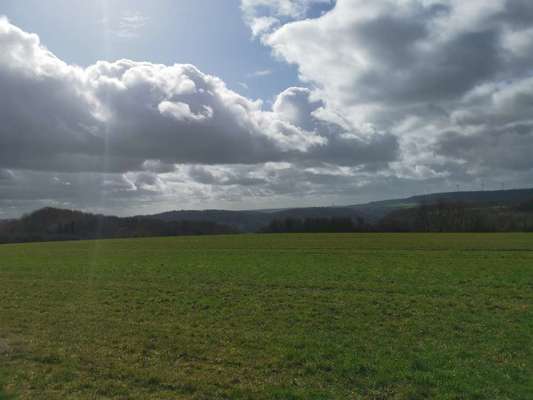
{"points": [[5, 396]]}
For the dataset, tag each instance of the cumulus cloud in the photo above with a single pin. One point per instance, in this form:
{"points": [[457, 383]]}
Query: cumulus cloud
{"points": [[117, 115], [263, 16], [493, 128], [398, 51], [136, 121], [450, 79]]}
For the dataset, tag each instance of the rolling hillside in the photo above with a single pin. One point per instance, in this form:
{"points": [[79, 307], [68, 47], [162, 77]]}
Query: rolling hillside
{"points": [[508, 210], [252, 220]]}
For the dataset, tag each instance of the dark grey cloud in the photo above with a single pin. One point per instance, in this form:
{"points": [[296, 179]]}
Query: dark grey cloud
{"points": [[492, 128], [6, 176], [398, 52], [114, 117], [225, 177], [505, 148], [297, 106]]}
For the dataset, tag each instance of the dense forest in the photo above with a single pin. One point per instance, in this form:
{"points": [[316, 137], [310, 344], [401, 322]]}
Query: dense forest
{"points": [[441, 217], [55, 224], [317, 225], [459, 217]]}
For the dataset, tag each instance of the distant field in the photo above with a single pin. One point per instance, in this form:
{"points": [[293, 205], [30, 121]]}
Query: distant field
{"points": [[349, 316]]}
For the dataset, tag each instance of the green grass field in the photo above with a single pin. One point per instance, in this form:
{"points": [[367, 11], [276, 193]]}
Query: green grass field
{"points": [[349, 316]]}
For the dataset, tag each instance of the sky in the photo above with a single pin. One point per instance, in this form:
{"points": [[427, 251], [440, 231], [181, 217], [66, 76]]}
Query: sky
{"points": [[136, 107]]}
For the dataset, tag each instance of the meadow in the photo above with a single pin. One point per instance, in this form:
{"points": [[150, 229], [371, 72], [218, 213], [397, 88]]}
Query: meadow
{"points": [[317, 316]]}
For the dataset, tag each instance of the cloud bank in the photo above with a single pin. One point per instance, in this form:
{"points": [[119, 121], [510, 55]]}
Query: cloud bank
{"points": [[396, 97], [450, 79]]}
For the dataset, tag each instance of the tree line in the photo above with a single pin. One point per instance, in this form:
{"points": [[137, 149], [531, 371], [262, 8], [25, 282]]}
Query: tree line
{"points": [[316, 225], [450, 216], [51, 224], [443, 216]]}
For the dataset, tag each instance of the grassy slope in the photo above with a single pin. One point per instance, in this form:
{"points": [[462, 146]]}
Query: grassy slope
{"points": [[270, 317]]}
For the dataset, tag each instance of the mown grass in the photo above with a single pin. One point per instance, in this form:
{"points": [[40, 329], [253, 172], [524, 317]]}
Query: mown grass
{"points": [[351, 316]]}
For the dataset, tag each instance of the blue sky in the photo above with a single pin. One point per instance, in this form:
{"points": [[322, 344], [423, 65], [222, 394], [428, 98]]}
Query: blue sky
{"points": [[208, 34]]}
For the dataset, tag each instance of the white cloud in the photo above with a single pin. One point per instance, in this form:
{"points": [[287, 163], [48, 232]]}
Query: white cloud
{"points": [[135, 121], [130, 24], [114, 116], [419, 69], [262, 25], [182, 111], [260, 73], [263, 16], [280, 8]]}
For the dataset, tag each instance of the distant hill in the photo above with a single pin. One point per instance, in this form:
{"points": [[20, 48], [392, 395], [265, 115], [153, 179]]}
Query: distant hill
{"points": [[450, 216], [500, 210], [254, 220], [506, 198]]}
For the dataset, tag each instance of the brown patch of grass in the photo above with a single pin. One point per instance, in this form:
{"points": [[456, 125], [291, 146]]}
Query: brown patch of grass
{"points": [[5, 348]]}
